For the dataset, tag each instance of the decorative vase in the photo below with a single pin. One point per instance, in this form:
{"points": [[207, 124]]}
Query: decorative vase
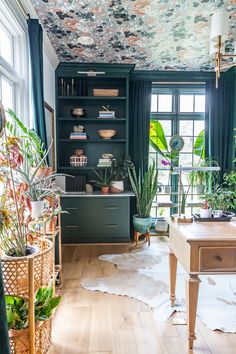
{"points": [[105, 189], [117, 187], [205, 213], [37, 208], [161, 225], [142, 225]]}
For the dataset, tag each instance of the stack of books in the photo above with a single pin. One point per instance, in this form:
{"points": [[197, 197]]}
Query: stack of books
{"points": [[104, 162], [76, 136], [106, 114]]}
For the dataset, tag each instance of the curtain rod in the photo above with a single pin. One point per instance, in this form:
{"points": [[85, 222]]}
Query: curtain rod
{"points": [[178, 83], [22, 8]]}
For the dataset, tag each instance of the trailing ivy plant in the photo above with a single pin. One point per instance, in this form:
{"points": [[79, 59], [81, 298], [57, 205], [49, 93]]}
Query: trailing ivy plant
{"points": [[17, 308]]}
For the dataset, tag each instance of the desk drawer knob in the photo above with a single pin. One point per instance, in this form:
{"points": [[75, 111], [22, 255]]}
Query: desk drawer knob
{"points": [[71, 226], [112, 207], [219, 258], [111, 225]]}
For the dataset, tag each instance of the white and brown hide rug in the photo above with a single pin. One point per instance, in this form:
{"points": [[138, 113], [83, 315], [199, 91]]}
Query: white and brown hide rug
{"points": [[143, 274]]}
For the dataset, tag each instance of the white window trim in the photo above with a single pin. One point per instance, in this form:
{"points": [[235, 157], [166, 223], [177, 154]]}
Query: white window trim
{"points": [[14, 20]]}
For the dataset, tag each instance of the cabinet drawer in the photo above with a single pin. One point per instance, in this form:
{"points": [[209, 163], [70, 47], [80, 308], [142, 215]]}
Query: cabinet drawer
{"points": [[217, 259], [92, 206]]}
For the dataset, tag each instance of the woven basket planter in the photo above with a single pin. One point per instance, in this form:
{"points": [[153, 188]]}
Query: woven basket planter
{"points": [[15, 271], [19, 340]]}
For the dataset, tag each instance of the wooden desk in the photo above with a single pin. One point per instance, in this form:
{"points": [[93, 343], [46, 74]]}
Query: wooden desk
{"points": [[201, 248]]}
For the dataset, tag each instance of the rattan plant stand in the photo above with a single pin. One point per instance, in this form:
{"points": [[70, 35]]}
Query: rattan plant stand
{"points": [[22, 277]]}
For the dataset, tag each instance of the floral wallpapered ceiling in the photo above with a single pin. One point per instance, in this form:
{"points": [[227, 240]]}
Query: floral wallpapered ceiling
{"points": [[153, 34]]}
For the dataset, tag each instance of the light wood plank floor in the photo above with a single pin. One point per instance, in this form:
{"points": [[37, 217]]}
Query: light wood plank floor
{"points": [[94, 323]]}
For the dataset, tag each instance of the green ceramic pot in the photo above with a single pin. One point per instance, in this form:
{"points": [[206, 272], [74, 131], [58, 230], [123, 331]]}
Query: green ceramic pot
{"points": [[142, 225]]}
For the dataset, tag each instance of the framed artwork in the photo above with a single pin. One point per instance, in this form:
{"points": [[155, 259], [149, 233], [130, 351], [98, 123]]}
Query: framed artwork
{"points": [[49, 120]]}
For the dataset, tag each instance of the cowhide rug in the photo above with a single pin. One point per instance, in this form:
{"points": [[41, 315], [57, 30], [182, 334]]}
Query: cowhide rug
{"points": [[143, 274]]}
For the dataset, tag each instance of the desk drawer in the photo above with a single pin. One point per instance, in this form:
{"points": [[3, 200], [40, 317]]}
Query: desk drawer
{"points": [[217, 259]]}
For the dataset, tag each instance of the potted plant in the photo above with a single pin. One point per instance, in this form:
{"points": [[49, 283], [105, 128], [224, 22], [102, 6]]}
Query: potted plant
{"points": [[205, 211], [103, 181], [32, 147], [161, 224], [145, 189], [18, 324], [221, 200], [204, 180], [119, 172]]}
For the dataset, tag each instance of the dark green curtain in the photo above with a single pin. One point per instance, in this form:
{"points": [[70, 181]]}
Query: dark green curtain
{"points": [[220, 122], [139, 117], [36, 56], [4, 340]]}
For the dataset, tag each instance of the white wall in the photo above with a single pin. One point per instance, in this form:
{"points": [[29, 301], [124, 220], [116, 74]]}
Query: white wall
{"points": [[48, 81]]}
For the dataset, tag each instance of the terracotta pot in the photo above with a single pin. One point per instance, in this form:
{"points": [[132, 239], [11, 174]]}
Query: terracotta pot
{"points": [[105, 189], [117, 187]]}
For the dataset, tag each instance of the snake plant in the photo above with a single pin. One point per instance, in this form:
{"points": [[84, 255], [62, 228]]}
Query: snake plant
{"points": [[145, 189]]}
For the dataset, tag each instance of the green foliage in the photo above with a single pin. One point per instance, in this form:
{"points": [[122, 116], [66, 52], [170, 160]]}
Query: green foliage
{"points": [[206, 178], [33, 146], [17, 308], [199, 146], [145, 189], [159, 143], [119, 169], [221, 199], [104, 178]]}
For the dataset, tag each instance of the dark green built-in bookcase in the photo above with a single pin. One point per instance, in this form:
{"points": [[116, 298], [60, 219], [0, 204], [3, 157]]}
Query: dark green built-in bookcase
{"points": [[80, 94]]}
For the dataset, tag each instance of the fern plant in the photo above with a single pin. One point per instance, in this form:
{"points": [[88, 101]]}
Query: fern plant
{"points": [[145, 189]]}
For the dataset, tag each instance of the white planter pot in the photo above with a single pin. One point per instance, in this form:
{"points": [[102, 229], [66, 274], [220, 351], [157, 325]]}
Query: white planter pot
{"points": [[37, 209], [117, 187], [205, 213], [161, 225]]}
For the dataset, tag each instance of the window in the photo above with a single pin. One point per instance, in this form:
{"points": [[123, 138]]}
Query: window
{"points": [[13, 60], [180, 110]]}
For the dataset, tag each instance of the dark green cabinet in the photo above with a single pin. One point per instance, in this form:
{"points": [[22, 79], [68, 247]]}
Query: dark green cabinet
{"points": [[95, 219]]}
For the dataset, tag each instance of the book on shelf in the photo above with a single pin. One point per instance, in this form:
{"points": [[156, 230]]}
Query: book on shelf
{"points": [[103, 165]]}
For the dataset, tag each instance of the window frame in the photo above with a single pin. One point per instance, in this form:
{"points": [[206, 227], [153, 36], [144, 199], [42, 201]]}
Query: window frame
{"points": [[17, 73], [175, 117]]}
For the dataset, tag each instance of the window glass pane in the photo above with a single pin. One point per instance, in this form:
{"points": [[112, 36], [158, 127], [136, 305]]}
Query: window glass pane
{"points": [[188, 144], [6, 45], [186, 127], [7, 94], [185, 159], [154, 103], [164, 103], [186, 103], [166, 125], [199, 103], [199, 125]]}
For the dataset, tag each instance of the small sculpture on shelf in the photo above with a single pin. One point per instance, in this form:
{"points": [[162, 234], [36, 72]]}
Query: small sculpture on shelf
{"points": [[78, 133], [78, 112]]}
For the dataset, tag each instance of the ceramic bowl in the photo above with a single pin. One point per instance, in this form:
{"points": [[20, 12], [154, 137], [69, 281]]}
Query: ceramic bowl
{"points": [[107, 133], [78, 112]]}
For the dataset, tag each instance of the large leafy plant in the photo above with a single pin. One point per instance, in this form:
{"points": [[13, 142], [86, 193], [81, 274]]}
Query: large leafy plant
{"points": [[159, 143], [17, 308], [145, 188]]}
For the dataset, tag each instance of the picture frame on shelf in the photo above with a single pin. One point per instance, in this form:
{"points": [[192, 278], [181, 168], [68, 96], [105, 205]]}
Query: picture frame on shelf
{"points": [[50, 131]]}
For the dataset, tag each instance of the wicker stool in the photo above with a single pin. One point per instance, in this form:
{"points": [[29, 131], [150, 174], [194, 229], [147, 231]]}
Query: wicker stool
{"points": [[138, 234]]}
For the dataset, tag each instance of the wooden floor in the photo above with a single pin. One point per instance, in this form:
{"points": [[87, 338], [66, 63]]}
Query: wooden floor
{"points": [[95, 323]]}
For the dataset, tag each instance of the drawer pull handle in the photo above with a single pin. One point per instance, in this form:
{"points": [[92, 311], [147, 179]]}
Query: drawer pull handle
{"points": [[71, 226], [111, 207], [111, 225], [219, 258], [71, 208]]}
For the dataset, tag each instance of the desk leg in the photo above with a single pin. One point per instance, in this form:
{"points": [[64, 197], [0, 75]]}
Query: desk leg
{"points": [[173, 271], [192, 287]]}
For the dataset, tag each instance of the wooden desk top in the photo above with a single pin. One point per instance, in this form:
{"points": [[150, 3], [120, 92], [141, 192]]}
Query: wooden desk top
{"points": [[207, 231]]}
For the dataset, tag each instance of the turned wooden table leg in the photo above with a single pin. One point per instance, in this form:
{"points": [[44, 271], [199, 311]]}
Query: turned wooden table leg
{"points": [[192, 287], [173, 271], [148, 238]]}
